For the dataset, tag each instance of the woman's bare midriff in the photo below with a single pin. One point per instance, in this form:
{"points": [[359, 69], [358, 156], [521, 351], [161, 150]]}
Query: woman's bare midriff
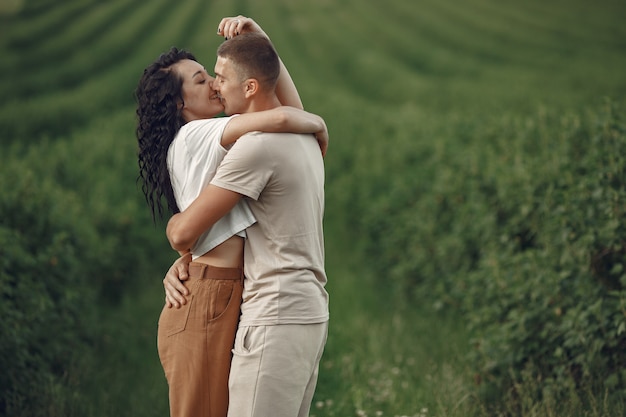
{"points": [[226, 255]]}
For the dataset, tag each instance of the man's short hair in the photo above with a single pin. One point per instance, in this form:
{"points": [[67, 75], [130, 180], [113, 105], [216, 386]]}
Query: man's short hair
{"points": [[253, 56]]}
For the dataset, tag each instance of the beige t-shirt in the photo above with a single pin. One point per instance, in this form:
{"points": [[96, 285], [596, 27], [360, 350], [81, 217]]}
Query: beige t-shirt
{"points": [[282, 174]]}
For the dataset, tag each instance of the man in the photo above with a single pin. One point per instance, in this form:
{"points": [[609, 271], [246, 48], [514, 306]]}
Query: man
{"points": [[284, 318]]}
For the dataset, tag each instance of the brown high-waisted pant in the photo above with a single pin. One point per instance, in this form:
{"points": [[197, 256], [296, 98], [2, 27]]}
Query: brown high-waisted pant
{"points": [[195, 341]]}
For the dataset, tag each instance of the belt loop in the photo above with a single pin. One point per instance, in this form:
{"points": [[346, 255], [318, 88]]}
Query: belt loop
{"points": [[203, 268], [197, 270]]}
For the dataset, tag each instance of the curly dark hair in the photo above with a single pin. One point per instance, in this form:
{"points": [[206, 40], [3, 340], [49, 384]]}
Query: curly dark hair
{"points": [[158, 96]]}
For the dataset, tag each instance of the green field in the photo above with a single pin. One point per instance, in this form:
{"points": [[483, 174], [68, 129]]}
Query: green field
{"points": [[475, 197]]}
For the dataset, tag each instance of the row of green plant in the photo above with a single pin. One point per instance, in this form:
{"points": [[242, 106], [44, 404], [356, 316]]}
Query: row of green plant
{"points": [[26, 27], [73, 53], [520, 228], [32, 30], [53, 113], [74, 238]]}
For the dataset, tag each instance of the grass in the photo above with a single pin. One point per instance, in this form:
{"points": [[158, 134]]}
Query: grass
{"points": [[385, 356]]}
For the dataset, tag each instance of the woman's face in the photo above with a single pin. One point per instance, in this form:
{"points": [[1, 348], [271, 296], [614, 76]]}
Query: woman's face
{"points": [[200, 100]]}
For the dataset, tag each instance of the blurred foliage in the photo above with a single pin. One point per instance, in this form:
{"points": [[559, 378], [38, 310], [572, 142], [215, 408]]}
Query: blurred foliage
{"points": [[46, 296], [73, 240], [476, 166], [524, 235]]}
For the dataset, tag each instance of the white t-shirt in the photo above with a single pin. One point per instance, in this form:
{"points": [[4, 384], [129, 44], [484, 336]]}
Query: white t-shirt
{"points": [[282, 176], [192, 160]]}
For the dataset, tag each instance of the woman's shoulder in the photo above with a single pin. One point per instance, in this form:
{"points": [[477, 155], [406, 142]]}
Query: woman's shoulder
{"points": [[215, 122], [201, 136], [203, 129]]}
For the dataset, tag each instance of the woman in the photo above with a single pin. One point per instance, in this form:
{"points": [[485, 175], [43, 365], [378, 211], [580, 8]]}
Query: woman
{"points": [[180, 147]]}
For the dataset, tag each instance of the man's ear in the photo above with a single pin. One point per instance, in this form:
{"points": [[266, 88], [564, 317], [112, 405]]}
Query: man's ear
{"points": [[251, 87]]}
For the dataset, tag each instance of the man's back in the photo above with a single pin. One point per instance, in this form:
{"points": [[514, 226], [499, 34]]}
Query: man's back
{"points": [[283, 176]]}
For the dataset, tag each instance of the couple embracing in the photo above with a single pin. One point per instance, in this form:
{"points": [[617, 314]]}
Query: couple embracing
{"points": [[246, 315]]}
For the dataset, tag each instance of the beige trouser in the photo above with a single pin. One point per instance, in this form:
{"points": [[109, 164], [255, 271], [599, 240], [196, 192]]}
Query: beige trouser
{"points": [[274, 369], [195, 341]]}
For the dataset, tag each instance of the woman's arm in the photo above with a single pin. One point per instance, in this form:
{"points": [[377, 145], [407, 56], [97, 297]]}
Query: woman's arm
{"points": [[280, 119], [286, 89]]}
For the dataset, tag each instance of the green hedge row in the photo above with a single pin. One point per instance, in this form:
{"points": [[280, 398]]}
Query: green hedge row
{"points": [[517, 223], [70, 97], [46, 293], [73, 241], [549, 299]]}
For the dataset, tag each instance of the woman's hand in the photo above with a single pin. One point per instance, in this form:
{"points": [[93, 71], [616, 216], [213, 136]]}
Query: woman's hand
{"points": [[291, 119], [230, 27], [301, 121], [323, 138]]}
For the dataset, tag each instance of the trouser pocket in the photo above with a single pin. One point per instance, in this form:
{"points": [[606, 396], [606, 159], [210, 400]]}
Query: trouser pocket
{"points": [[174, 320]]}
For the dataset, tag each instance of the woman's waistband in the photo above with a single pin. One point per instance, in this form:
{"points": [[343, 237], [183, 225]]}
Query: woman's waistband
{"points": [[204, 271]]}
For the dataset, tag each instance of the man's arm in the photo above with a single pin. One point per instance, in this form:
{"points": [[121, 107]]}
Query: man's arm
{"points": [[175, 290], [184, 228]]}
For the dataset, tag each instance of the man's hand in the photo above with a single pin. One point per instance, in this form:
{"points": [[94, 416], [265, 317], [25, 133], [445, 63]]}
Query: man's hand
{"points": [[175, 290]]}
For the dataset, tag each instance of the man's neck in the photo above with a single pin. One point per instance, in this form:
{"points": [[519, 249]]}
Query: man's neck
{"points": [[263, 103]]}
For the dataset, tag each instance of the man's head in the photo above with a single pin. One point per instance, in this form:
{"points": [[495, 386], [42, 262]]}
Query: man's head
{"points": [[246, 70]]}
